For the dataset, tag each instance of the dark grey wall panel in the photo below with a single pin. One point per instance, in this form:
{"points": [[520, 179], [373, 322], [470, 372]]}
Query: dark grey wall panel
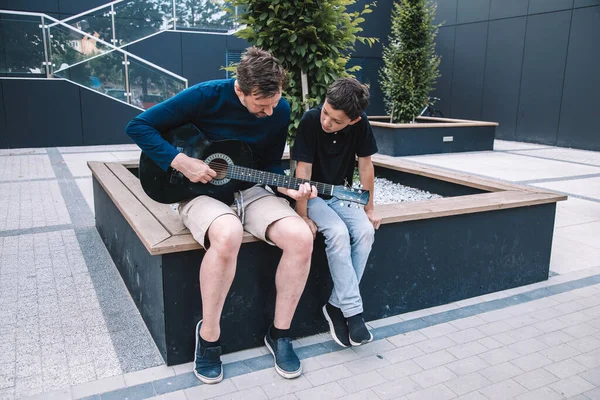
{"points": [[506, 39], [508, 8], [469, 64], [445, 49], [78, 6], [542, 78], [235, 43], [579, 127], [542, 6], [42, 6], [203, 57], [473, 11], [163, 50], [3, 131], [97, 127], [42, 113], [586, 3], [446, 12]]}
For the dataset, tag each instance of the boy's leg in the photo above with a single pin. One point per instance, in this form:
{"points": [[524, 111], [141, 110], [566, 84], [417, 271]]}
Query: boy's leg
{"points": [[362, 235], [345, 295], [210, 219]]}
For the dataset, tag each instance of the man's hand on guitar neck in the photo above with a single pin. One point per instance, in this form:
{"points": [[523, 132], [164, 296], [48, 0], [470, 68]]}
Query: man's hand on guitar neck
{"points": [[304, 192], [193, 169]]}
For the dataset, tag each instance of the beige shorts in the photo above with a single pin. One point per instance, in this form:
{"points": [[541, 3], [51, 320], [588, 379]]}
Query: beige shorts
{"points": [[261, 206]]}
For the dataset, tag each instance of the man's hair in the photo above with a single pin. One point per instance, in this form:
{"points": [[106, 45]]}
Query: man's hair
{"points": [[260, 73], [348, 95]]}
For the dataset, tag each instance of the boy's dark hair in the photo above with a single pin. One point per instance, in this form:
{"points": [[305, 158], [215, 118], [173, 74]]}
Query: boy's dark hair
{"points": [[260, 73], [348, 95]]}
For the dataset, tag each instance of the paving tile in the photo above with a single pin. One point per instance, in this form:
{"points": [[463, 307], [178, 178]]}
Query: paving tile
{"points": [[375, 347], [532, 361], [503, 390], [202, 392], [336, 357], [467, 365], [255, 393], [326, 375], [490, 343], [590, 360], [468, 322], [257, 378], [571, 386], [366, 394], [439, 392], [433, 376], [592, 376], [400, 370], [467, 383], [585, 344], [402, 354], [466, 350], [366, 364], [498, 356], [435, 344], [545, 393], [283, 387], [536, 379], [328, 391], [361, 382], [560, 352], [501, 372], [406, 339], [438, 330], [433, 360], [528, 346], [395, 389]]}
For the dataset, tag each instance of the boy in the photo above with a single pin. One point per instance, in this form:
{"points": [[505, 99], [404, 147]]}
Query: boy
{"points": [[328, 140]]}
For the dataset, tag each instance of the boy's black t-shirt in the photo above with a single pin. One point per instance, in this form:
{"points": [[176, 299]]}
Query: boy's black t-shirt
{"points": [[332, 155]]}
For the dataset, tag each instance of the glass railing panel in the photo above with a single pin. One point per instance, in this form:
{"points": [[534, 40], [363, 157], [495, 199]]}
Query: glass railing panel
{"points": [[21, 44], [150, 86], [96, 23], [139, 18], [104, 73], [205, 15], [69, 47]]}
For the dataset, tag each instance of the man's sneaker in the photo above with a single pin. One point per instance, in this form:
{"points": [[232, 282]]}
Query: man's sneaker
{"points": [[337, 325], [207, 362], [359, 334], [287, 363]]}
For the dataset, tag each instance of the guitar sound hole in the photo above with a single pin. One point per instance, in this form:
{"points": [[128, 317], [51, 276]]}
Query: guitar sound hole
{"points": [[219, 166]]}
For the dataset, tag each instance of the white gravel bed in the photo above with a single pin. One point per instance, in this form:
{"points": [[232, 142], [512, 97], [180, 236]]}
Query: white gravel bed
{"points": [[387, 192]]}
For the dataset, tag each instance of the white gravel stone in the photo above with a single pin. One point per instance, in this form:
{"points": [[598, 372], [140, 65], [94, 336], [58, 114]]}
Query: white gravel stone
{"points": [[387, 192]]}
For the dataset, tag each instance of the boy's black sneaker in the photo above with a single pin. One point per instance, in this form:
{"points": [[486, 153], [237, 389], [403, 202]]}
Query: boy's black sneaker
{"points": [[359, 333], [287, 363], [207, 362], [337, 325]]}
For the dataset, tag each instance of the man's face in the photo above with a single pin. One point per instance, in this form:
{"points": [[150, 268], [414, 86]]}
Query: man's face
{"points": [[262, 107], [333, 120]]}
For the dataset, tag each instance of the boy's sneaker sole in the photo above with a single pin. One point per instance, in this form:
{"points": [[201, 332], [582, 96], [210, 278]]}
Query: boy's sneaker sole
{"points": [[331, 327], [363, 342], [203, 378], [285, 374]]}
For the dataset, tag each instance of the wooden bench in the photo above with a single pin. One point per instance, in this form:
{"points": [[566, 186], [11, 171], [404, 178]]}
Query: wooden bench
{"points": [[486, 236]]}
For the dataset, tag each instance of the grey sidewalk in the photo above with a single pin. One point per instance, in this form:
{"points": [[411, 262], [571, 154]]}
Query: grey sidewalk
{"points": [[70, 330]]}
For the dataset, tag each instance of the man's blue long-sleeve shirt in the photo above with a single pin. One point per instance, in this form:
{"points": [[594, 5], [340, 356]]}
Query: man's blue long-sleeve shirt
{"points": [[214, 108]]}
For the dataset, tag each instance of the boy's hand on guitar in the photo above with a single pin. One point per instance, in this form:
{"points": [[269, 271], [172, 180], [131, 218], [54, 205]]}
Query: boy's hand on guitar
{"points": [[304, 192], [193, 169]]}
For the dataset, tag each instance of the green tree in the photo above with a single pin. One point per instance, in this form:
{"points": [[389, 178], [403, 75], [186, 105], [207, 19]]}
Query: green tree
{"points": [[410, 65], [311, 37], [203, 14]]}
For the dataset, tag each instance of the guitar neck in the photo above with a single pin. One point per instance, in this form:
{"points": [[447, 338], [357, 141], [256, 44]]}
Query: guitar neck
{"points": [[268, 178]]}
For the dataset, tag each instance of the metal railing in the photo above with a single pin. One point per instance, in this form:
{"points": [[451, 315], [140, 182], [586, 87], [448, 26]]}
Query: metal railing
{"points": [[123, 22], [35, 44]]}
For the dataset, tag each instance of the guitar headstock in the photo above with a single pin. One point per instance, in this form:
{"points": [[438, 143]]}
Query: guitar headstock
{"points": [[351, 195]]}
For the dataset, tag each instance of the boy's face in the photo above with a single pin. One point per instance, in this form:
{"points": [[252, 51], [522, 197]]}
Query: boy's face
{"points": [[333, 120]]}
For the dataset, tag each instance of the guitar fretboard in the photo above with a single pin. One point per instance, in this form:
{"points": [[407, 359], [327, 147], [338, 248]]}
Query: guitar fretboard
{"points": [[268, 178]]}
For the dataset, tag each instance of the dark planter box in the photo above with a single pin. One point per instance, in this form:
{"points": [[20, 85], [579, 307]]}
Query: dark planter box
{"points": [[485, 236], [432, 136]]}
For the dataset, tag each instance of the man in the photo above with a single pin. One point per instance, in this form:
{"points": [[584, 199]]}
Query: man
{"points": [[328, 140], [250, 109]]}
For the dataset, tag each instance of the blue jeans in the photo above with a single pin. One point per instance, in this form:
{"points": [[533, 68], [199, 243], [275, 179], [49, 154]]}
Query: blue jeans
{"points": [[349, 236]]}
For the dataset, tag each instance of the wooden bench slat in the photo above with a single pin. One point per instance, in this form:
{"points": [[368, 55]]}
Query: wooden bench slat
{"points": [[163, 212], [444, 207], [186, 242], [440, 173], [145, 225]]}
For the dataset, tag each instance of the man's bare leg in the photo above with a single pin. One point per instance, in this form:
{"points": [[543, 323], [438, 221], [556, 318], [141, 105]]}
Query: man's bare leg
{"points": [[217, 272], [293, 236]]}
